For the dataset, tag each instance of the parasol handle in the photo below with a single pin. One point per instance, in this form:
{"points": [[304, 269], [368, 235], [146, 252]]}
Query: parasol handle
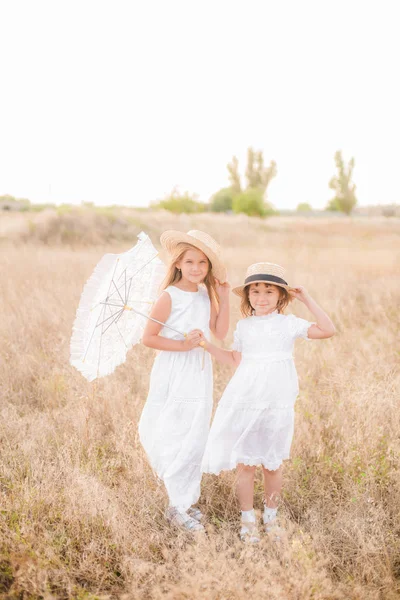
{"points": [[154, 320]]}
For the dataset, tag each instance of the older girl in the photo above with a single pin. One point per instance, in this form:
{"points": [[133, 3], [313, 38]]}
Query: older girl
{"points": [[175, 421]]}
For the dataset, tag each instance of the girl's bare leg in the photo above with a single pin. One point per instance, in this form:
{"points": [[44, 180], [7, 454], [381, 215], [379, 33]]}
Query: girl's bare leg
{"points": [[245, 486], [272, 492], [272, 486]]}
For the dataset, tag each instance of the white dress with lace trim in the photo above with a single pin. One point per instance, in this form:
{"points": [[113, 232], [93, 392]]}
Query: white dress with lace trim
{"points": [[175, 421], [254, 420]]}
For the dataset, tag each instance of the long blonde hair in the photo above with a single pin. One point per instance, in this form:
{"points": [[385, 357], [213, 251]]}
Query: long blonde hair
{"points": [[174, 274], [247, 310]]}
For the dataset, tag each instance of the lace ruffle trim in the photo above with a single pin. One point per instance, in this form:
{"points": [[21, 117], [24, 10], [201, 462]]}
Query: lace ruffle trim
{"points": [[249, 462]]}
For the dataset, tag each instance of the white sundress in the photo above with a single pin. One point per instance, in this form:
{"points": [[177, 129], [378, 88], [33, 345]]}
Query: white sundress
{"points": [[254, 420], [175, 421]]}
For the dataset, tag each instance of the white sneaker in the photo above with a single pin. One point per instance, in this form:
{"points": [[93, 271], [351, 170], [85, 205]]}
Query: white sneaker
{"points": [[181, 519]]}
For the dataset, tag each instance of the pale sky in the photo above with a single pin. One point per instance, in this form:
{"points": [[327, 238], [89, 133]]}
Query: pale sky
{"points": [[119, 101]]}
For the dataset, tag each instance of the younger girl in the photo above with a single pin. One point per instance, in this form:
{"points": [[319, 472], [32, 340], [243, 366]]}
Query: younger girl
{"points": [[175, 421], [253, 424]]}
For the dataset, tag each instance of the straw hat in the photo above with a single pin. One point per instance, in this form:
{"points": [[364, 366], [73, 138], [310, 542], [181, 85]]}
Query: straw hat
{"points": [[204, 242], [263, 272]]}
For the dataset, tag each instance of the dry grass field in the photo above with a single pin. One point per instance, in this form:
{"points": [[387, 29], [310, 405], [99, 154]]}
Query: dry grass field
{"points": [[81, 515]]}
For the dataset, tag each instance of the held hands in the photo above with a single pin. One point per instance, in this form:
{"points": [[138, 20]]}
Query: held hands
{"points": [[300, 293], [193, 339]]}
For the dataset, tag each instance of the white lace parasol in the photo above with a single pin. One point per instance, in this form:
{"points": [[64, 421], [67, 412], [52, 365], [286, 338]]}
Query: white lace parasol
{"points": [[113, 308]]}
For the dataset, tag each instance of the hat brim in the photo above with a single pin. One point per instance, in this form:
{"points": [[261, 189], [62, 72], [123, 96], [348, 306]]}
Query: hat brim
{"points": [[239, 291], [170, 239]]}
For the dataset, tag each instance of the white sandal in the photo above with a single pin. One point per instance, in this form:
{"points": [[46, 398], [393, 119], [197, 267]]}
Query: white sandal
{"points": [[249, 532], [270, 521], [195, 513], [272, 528], [182, 520]]}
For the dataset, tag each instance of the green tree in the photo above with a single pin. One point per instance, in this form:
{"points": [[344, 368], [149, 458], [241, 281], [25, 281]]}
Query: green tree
{"points": [[251, 199], [345, 197], [222, 201], [333, 205], [304, 207], [178, 202], [252, 203], [234, 177], [258, 176]]}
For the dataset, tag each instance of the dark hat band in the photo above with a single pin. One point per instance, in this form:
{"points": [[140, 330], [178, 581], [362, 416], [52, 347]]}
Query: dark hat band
{"points": [[263, 277]]}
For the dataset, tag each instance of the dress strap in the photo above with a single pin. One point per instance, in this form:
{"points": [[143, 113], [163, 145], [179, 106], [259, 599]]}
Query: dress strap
{"points": [[169, 290]]}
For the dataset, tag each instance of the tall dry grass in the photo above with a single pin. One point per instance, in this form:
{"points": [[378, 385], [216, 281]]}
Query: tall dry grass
{"points": [[81, 514]]}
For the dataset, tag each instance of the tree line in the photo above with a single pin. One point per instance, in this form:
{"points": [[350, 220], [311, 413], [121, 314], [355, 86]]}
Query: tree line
{"points": [[251, 196]]}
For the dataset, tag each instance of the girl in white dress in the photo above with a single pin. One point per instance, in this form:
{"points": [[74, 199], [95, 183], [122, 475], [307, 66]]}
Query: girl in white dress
{"points": [[175, 421], [253, 424]]}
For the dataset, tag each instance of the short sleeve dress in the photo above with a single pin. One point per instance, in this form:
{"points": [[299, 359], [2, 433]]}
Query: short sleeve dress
{"points": [[254, 420], [175, 421]]}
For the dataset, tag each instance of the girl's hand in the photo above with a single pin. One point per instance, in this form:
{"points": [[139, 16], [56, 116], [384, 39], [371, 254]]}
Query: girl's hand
{"points": [[223, 290], [300, 293], [192, 339], [203, 341]]}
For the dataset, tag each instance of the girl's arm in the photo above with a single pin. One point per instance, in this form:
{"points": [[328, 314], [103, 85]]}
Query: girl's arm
{"points": [[219, 320], [151, 338], [226, 357], [324, 327]]}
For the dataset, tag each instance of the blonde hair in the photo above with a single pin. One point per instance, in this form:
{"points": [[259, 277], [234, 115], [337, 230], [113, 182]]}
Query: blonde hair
{"points": [[174, 274], [284, 298]]}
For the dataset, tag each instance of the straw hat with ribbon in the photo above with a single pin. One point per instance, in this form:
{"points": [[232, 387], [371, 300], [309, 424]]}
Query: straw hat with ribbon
{"points": [[263, 272], [204, 242]]}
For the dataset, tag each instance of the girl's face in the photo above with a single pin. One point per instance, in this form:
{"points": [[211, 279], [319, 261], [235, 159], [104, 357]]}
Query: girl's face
{"points": [[194, 266], [263, 298]]}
